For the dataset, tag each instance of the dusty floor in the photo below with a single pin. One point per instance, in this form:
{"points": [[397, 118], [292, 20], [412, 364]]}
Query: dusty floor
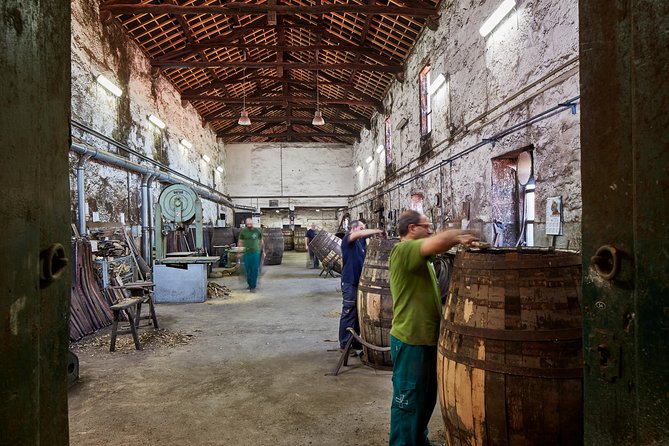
{"points": [[249, 369]]}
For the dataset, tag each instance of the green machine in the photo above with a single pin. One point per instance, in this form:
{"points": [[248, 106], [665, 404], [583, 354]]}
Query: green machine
{"points": [[179, 205], [180, 276]]}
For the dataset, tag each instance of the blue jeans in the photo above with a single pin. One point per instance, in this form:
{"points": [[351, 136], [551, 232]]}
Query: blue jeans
{"points": [[313, 259], [414, 392], [349, 314], [252, 266]]}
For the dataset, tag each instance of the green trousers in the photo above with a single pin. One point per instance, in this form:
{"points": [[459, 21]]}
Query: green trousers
{"points": [[414, 392]]}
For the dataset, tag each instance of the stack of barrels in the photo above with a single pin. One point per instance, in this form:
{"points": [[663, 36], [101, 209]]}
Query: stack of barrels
{"points": [[273, 240], [298, 239], [288, 244], [510, 358], [327, 248]]}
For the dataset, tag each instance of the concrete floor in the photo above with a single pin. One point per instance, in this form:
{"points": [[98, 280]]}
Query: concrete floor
{"points": [[254, 373]]}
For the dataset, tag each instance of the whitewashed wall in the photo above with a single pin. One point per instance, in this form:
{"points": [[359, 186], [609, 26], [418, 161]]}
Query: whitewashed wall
{"points": [[526, 66], [105, 49], [326, 218], [299, 174]]}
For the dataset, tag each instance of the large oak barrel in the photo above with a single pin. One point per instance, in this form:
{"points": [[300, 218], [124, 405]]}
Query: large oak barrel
{"points": [[375, 303], [298, 239], [509, 363], [273, 240], [223, 236], [327, 248], [288, 244]]}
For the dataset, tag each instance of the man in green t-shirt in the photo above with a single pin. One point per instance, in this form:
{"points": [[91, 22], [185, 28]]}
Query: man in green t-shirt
{"points": [[250, 239], [415, 329]]}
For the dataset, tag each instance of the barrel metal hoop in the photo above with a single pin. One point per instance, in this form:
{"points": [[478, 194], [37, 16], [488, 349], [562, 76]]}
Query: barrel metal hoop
{"points": [[467, 262], [566, 334], [507, 369], [375, 289], [380, 323]]}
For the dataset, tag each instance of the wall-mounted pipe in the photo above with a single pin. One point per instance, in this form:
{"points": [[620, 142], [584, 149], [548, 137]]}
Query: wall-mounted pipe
{"points": [[81, 193], [118, 161], [152, 229], [146, 238]]}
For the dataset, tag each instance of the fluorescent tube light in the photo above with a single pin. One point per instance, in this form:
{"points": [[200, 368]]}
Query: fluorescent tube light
{"points": [[187, 144], [401, 124], [318, 210], [109, 85], [358, 169], [379, 149], [220, 169], [436, 85], [497, 16], [369, 159], [156, 121], [206, 158]]}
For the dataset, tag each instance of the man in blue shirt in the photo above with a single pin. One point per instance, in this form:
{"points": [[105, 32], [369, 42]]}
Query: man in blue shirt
{"points": [[353, 249], [311, 233]]}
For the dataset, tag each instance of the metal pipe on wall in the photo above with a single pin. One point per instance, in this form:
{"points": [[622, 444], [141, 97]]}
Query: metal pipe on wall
{"points": [[152, 229], [81, 195], [146, 242], [119, 161]]}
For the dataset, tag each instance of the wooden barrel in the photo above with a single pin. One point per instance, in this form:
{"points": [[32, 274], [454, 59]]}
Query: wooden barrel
{"points": [[273, 239], [223, 236], [375, 303], [288, 244], [510, 359], [298, 239], [327, 248]]}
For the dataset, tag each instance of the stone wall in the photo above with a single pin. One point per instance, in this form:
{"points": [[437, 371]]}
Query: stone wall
{"points": [[494, 85], [299, 174], [99, 48]]}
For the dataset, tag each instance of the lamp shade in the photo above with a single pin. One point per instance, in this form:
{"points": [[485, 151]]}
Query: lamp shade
{"points": [[318, 118], [244, 118]]}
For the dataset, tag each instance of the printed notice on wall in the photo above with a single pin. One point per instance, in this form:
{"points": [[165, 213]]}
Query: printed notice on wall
{"points": [[554, 216]]}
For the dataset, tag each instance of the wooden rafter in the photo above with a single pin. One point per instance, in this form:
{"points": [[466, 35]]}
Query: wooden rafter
{"points": [[289, 65], [270, 52], [241, 8]]}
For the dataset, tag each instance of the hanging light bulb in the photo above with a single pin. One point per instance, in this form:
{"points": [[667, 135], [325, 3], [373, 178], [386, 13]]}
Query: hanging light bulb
{"points": [[244, 116], [318, 116]]}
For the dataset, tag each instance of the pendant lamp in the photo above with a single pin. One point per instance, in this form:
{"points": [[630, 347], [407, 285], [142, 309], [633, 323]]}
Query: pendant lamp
{"points": [[244, 116], [318, 116]]}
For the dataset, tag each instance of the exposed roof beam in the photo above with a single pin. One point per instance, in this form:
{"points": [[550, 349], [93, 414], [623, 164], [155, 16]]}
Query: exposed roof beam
{"points": [[295, 48], [285, 65], [284, 134], [241, 8], [342, 108], [294, 119], [278, 100]]}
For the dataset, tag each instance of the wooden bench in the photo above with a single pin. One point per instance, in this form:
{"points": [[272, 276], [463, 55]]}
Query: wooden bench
{"points": [[130, 298]]}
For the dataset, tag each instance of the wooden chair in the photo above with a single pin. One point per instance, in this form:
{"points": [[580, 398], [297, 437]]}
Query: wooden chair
{"points": [[129, 297]]}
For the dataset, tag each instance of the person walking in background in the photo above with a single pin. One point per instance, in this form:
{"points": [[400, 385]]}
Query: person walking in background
{"points": [[250, 239], [415, 328], [311, 233], [353, 250]]}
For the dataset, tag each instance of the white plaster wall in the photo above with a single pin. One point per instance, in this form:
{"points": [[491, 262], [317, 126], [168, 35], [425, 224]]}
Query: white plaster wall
{"points": [[327, 219], [298, 174], [104, 49], [526, 66]]}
